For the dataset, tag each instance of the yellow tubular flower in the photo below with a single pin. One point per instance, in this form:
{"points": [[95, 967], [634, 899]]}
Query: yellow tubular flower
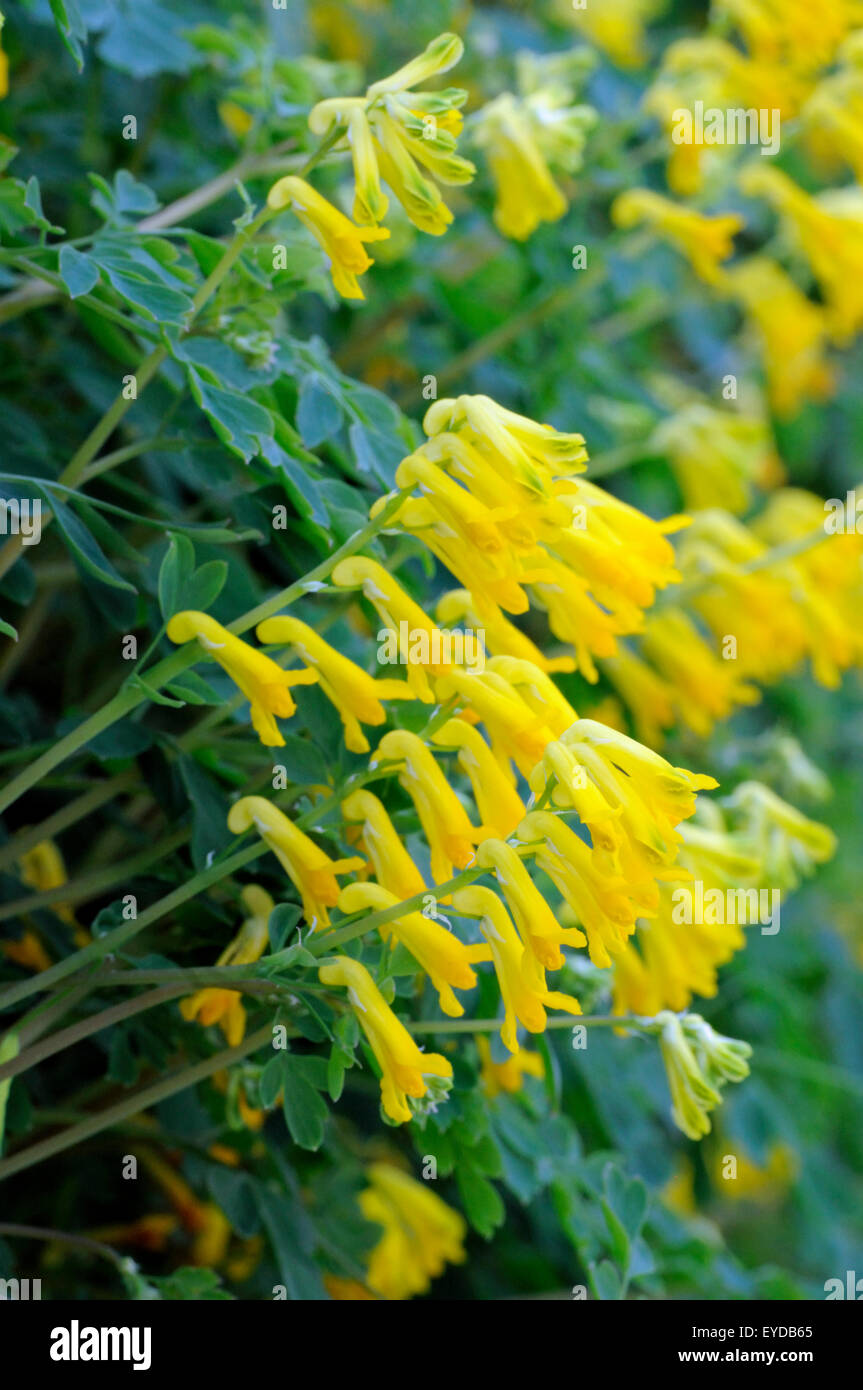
{"points": [[442, 956], [537, 925], [531, 454], [604, 903], [506, 1077], [394, 608], [42, 869], [421, 1233], [514, 729], [499, 635], [704, 241], [526, 193], [4, 65], [707, 689], [311, 871], [499, 804], [698, 1062], [792, 330], [393, 866], [788, 843], [523, 989], [449, 833], [225, 1006], [405, 1070], [342, 242], [717, 457], [537, 690], [27, 951], [265, 685], [832, 116], [649, 699], [356, 695]]}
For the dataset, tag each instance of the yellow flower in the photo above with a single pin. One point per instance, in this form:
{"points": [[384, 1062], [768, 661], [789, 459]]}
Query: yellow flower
{"points": [[393, 866], [706, 687], [442, 956], [538, 927], [4, 65], [704, 241], [649, 698], [698, 1062], [445, 822], [311, 871], [405, 1070], [394, 608], [421, 1234], [235, 119], [765, 1183], [499, 635], [225, 1006], [717, 456], [792, 330], [356, 695], [499, 804], [520, 449], [342, 242], [526, 193], [523, 989], [506, 1077], [515, 730], [27, 951], [832, 116], [618, 27], [538, 691], [788, 843], [265, 685], [393, 130]]}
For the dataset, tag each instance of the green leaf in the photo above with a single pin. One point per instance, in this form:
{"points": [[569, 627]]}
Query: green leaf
{"points": [[305, 1112], [8, 630], [83, 547], [606, 1281], [144, 38], [205, 585], [175, 571], [8, 1050], [209, 804], [270, 1082], [192, 689], [78, 272], [241, 424], [71, 27], [319, 413], [481, 1200]]}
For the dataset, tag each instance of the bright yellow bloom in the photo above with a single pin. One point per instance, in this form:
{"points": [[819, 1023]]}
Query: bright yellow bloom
{"points": [[442, 956], [832, 116], [788, 843], [356, 695], [618, 27], [790, 32], [538, 691], [394, 608], [526, 193], [521, 450], [311, 871], [706, 688], [499, 635], [765, 1183], [265, 685], [499, 804], [540, 931], [704, 241], [445, 822], [342, 242], [717, 456], [394, 132], [515, 730], [394, 869], [649, 698], [421, 1233], [507, 1077], [405, 1070], [225, 1006], [523, 989], [792, 330]]}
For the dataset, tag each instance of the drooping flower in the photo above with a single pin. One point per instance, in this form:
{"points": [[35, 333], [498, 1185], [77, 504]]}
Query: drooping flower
{"points": [[265, 685], [706, 689], [405, 1070], [516, 732], [499, 804], [442, 956], [538, 927], [398, 612], [499, 635], [395, 132], [393, 867], [718, 456], [705, 241], [445, 822], [698, 1062], [311, 871], [421, 1234], [523, 989], [225, 1006], [356, 695], [343, 243]]}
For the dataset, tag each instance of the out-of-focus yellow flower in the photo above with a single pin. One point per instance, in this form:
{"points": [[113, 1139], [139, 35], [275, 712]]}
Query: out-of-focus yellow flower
{"points": [[421, 1234], [442, 956], [705, 241], [765, 1183], [523, 989], [792, 330], [393, 867], [4, 64], [499, 804], [505, 1078], [225, 1006], [311, 871], [706, 688], [342, 242], [649, 698], [521, 136], [789, 844], [829, 231], [265, 685], [450, 835], [618, 27], [698, 1062], [540, 931], [832, 116], [27, 951], [42, 869], [356, 695], [405, 1070], [717, 456], [395, 132], [206, 1223], [235, 119], [789, 32], [344, 31]]}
